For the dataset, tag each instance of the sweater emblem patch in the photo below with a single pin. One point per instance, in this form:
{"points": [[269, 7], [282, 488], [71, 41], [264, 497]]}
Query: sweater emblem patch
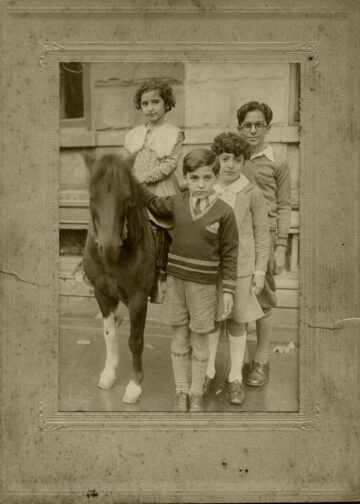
{"points": [[213, 228]]}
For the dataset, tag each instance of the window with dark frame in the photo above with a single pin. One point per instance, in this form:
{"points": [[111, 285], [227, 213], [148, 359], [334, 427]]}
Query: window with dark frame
{"points": [[73, 94]]}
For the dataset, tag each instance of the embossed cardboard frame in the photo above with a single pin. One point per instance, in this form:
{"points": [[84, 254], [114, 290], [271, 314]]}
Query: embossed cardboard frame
{"points": [[312, 455], [307, 55]]}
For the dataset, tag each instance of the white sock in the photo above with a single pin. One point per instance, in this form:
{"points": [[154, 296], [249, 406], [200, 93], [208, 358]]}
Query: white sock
{"points": [[246, 354], [237, 350], [213, 343]]}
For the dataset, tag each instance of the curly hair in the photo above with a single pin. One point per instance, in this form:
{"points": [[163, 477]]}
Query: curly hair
{"points": [[230, 143], [165, 90], [254, 105]]}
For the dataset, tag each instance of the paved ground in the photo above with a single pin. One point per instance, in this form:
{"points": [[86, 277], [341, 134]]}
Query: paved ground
{"points": [[82, 355]]}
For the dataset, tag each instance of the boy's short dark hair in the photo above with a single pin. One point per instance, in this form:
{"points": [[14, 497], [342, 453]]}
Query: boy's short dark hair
{"points": [[197, 158], [230, 143], [165, 90], [250, 107]]}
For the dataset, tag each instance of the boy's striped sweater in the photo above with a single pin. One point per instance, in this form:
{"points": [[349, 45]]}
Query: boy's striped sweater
{"points": [[201, 245]]}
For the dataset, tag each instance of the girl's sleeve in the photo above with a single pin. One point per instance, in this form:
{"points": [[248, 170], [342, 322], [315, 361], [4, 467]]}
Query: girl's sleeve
{"points": [[283, 203], [228, 245], [160, 206], [166, 165], [260, 230]]}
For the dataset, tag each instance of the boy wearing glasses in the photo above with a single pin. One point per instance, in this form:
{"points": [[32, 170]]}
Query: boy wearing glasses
{"points": [[273, 178]]}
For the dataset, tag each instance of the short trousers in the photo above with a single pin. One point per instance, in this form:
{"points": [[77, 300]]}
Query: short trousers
{"points": [[246, 307], [267, 297], [190, 303]]}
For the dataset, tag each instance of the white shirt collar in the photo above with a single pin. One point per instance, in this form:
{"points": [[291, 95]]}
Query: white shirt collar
{"points": [[237, 186], [228, 193], [204, 202], [267, 152]]}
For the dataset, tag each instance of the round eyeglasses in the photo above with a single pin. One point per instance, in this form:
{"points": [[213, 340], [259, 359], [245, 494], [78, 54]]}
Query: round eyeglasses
{"points": [[259, 126]]}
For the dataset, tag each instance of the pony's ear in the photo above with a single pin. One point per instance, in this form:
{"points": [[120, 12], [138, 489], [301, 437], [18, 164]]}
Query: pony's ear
{"points": [[89, 158]]}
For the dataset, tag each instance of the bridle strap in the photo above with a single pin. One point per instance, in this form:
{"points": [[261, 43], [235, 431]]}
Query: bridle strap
{"points": [[123, 232]]}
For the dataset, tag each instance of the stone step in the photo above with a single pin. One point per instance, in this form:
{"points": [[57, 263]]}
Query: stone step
{"points": [[72, 285]]}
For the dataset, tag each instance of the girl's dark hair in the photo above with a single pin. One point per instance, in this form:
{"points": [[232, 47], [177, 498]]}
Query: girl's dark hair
{"points": [[230, 143], [254, 105], [165, 90], [197, 158]]}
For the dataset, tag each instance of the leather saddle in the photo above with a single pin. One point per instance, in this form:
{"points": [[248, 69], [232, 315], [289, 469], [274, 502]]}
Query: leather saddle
{"points": [[162, 243]]}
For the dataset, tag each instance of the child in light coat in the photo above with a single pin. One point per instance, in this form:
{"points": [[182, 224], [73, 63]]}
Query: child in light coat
{"points": [[251, 218]]}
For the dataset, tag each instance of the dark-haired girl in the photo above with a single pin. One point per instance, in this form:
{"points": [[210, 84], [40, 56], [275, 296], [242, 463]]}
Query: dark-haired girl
{"points": [[156, 144]]}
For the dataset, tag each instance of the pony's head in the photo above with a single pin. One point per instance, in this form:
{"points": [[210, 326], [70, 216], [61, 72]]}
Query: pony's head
{"points": [[115, 203]]}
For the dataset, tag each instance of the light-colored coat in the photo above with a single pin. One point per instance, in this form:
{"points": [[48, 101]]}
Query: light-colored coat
{"points": [[251, 216]]}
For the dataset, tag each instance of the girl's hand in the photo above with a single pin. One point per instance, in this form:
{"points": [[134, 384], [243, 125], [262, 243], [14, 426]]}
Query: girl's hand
{"points": [[257, 283], [228, 304], [279, 256]]}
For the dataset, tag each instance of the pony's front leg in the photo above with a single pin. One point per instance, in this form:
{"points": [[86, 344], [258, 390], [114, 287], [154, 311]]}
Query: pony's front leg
{"points": [[108, 374], [137, 313]]}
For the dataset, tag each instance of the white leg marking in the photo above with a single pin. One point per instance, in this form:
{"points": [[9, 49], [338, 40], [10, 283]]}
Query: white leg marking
{"points": [[121, 312], [132, 392], [108, 374]]}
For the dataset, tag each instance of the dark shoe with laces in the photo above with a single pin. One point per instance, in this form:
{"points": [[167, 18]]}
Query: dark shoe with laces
{"points": [[236, 392], [181, 402], [258, 374], [209, 384], [196, 403]]}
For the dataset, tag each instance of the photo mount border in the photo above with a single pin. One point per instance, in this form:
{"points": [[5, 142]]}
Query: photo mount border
{"points": [[308, 416]]}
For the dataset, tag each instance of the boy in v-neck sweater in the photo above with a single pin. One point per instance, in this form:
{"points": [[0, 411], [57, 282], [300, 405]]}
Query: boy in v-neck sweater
{"points": [[204, 243]]}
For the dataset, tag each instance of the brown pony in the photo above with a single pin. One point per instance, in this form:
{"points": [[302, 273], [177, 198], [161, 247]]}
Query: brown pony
{"points": [[119, 260]]}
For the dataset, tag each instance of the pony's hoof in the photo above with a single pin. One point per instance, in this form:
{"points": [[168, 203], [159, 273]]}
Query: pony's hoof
{"points": [[105, 383], [132, 393]]}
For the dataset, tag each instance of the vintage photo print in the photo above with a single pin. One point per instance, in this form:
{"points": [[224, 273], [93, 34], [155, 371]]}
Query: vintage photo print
{"points": [[179, 251], [111, 108]]}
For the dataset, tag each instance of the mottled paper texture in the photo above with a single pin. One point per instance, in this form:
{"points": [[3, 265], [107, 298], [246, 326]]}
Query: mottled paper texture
{"points": [[310, 454]]}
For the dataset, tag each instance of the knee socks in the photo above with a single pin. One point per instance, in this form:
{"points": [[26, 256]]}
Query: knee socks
{"points": [[213, 343], [180, 357], [199, 362], [237, 345], [263, 332]]}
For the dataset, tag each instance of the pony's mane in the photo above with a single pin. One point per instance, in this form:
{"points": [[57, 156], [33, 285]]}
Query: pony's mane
{"points": [[112, 173]]}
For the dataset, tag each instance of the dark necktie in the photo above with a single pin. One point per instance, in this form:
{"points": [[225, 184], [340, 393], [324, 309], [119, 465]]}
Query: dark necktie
{"points": [[197, 209]]}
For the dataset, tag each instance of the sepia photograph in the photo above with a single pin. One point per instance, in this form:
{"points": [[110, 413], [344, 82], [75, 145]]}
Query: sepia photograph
{"points": [[162, 114], [179, 276]]}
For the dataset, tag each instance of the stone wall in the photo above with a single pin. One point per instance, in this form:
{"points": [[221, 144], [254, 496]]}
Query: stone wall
{"points": [[207, 96]]}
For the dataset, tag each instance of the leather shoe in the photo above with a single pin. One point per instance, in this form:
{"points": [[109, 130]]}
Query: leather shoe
{"points": [[236, 392], [258, 374], [209, 384], [196, 402], [181, 402]]}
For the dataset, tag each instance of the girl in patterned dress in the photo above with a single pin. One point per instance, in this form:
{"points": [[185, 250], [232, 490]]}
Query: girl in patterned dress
{"points": [[157, 147], [156, 144]]}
